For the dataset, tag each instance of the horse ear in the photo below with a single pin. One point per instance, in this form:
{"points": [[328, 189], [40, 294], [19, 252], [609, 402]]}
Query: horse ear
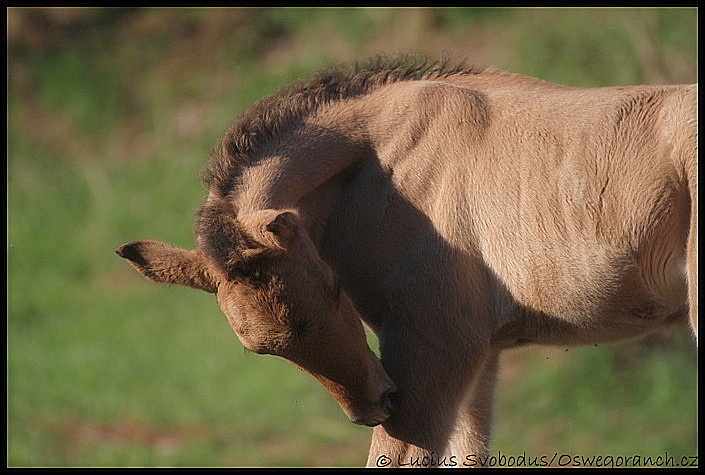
{"points": [[285, 227], [161, 262], [274, 229]]}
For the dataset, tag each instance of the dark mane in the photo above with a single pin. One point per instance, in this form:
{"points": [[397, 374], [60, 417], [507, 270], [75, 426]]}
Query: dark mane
{"points": [[219, 234], [270, 115]]}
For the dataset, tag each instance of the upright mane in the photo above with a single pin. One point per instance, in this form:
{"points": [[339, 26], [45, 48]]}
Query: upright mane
{"points": [[219, 233], [272, 114]]}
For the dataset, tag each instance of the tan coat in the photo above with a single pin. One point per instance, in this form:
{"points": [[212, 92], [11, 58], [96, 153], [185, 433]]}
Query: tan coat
{"points": [[458, 213]]}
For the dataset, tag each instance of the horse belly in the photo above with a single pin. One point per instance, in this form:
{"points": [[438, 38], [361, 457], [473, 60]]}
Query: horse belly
{"points": [[592, 295]]}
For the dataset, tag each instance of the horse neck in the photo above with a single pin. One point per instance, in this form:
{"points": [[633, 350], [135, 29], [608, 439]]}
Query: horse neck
{"points": [[299, 168], [305, 167], [315, 148]]}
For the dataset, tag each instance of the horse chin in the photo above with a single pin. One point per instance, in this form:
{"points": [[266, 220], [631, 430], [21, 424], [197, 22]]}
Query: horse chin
{"points": [[378, 413], [370, 419]]}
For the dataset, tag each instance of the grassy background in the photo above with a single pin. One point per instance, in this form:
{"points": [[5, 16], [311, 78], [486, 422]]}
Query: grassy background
{"points": [[112, 113]]}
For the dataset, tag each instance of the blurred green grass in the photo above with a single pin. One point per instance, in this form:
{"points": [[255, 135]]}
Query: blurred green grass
{"points": [[112, 113]]}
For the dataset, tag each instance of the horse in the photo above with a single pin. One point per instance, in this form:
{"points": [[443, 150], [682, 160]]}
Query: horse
{"points": [[458, 212]]}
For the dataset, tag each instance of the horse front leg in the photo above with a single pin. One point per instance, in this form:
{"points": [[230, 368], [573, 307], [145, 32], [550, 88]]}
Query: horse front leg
{"points": [[471, 436], [433, 375]]}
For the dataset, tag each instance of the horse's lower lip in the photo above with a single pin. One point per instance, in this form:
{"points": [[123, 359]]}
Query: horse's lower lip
{"points": [[370, 421]]}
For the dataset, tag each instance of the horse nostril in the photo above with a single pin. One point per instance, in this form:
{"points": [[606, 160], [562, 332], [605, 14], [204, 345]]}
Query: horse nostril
{"points": [[388, 399]]}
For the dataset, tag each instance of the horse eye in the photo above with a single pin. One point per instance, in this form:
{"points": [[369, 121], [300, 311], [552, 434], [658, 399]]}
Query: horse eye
{"points": [[244, 270], [239, 270]]}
